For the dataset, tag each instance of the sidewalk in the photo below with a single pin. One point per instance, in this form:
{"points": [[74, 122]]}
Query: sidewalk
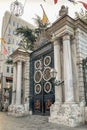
{"points": [[33, 122]]}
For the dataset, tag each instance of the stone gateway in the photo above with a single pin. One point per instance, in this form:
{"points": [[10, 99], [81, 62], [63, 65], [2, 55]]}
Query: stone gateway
{"points": [[65, 50]]}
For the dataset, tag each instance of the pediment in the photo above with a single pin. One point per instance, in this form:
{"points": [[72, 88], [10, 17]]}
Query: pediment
{"points": [[20, 54]]}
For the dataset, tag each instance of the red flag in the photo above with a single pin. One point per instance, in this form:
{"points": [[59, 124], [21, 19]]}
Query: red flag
{"points": [[5, 50], [55, 1], [84, 4]]}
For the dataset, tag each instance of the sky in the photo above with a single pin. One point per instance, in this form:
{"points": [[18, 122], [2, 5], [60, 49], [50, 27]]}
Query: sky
{"points": [[32, 8]]}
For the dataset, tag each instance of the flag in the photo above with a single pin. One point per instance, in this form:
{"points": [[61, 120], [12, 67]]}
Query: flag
{"points": [[5, 50], [55, 1], [3, 41], [45, 18], [84, 4]]}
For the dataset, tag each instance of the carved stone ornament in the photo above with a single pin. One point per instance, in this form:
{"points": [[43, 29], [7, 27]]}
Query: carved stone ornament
{"points": [[81, 15]]}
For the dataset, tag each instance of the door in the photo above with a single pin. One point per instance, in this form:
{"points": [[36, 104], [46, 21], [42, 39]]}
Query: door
{"points": [[84, 63], [42, 89]]}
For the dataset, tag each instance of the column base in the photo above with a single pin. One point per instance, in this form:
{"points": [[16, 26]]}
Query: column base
{"points": [[69, 114], [18, 110]]}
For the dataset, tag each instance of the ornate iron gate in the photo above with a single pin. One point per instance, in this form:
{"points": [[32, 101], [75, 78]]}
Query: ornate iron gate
{"points": [[41, 88], [85, 78]]}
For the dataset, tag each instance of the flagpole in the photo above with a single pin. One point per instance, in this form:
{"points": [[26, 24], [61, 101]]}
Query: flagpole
{"points": [[42, 7]]}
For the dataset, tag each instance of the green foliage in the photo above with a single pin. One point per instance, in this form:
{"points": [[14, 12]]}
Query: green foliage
{"points": [[9, 61], [28, 37], [40, 25]]}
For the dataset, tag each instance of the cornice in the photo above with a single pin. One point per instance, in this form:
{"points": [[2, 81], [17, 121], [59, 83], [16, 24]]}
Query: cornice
{"points": [[19, 55], [81, 25], [68, 25]]}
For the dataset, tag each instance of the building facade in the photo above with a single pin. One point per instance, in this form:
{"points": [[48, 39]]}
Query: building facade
{"points": [[70, 48], [20, 92], [66, 50], [9, 24]]}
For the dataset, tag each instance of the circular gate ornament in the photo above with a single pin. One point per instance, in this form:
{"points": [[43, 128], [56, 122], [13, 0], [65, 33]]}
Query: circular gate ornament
{"points": [[37, 88], [46, 74], [37, 76], [47, 87], [47, 60], [38, 64]]}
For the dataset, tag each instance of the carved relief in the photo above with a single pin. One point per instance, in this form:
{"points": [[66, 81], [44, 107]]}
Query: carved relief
{"points": [[37, 76], [46, 74]]}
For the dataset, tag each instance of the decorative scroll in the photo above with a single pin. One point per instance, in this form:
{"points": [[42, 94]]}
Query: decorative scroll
{"points": [[37, 104], [37, 88], [37, 76], [38, 64], [47, 87], [48, 104], [46, 74], [47, 60]]}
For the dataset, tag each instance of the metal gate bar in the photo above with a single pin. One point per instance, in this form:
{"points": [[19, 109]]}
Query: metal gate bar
{"points": [[84, 63]]}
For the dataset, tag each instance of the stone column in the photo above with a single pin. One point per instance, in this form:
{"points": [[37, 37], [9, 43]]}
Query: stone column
{"points": [[57, 66], [14, 84], [68, 78], [19, 80]]}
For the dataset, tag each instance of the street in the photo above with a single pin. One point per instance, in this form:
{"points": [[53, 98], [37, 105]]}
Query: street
{"points": [[31, 122]]}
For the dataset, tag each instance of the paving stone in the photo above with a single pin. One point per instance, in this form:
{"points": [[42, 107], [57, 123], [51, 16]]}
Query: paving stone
{"points": [[33, 122]]}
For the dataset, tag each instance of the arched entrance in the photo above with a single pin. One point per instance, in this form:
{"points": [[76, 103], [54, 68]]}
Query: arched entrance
{"points": [[41, 88]]}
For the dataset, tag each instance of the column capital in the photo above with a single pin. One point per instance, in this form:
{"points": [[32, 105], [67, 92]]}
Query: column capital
{"points": [[19, 62], [14, 64], [66, 37], [56, 40]]}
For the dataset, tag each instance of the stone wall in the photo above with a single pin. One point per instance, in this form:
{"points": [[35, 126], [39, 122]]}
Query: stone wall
{"points": [[69, 114], [81, 53], [85, 115]]}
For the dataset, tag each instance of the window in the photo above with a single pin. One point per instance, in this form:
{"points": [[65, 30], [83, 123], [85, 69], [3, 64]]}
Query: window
{"points": [[9, 49], [12, 49], [13, 41], [9, 40], [9, 31], [17, 25], [12, 70], [10, 21], [7, 69], [13, 23], [16, 42]]}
